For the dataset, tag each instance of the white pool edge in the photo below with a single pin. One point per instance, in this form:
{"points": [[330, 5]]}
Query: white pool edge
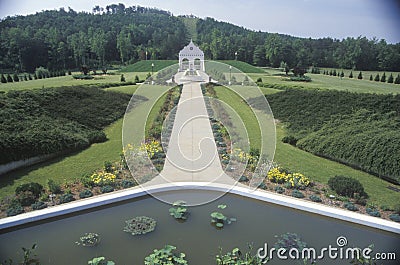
{"points": [[298, 204]]}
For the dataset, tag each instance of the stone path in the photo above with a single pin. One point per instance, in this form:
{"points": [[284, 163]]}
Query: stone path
{"points": [[192, 153]]}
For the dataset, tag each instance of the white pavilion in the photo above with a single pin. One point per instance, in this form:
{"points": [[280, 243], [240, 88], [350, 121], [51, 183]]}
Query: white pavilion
{"points": [[191, 58]]}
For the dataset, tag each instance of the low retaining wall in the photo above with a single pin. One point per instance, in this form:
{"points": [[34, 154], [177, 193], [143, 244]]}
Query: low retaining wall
{"points": [[25, 162], [119, 196]]}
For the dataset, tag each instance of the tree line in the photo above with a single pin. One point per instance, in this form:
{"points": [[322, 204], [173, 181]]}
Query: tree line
{"points": [[66, 39]]}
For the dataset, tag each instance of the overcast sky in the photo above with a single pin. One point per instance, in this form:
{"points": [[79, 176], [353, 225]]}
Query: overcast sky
{"points": [[304, 18]]}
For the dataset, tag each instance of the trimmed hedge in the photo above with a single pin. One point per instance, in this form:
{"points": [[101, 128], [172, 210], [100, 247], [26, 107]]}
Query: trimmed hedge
{"points": [[346, 186], [45, 121]]}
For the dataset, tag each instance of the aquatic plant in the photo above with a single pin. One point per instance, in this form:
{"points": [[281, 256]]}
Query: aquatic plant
{"points": [[100, 261], [89, 240], [219, 219], [140, 225], [237, 257], [179, 210], [165, 256], [289, 241]]}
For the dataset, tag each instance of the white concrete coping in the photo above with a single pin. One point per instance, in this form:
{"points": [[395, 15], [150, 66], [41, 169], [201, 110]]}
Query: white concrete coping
{"points": [[307, 206]]}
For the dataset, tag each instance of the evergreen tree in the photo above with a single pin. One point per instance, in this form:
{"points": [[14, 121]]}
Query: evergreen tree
{"points": [[334, 72], [30, 77], [360, 76], [137, 79], [377, 78], [9, 78], [15, 77], [122, 78], [351, 74], [26, 77], [35, 76], [390, 79], [371, 78], [3, 79], [383, 78], [397, 81], [330, 72], [324, 72], [342, 74]]}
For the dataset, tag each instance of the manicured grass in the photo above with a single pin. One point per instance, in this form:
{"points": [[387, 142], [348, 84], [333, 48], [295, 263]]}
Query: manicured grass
{"points": [[317, 168], [320, 81], [70, 167], [320, 170], [145, 66], [245, 113], [68, 81], [242, 66]]}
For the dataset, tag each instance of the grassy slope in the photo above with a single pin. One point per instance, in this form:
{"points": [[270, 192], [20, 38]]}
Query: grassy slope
{"points": [[273, 76], [74, 165], [145, 66], [245, 113], [244, 67], [317, 168]]}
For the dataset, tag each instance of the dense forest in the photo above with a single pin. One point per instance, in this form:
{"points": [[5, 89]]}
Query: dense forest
{"points": [[66, 39]]}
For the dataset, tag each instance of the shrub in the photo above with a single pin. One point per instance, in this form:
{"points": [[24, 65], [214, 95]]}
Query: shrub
{"points": [[262, 186], [373, 212], [65, 198], [107, 189], [289, 139], [243, 179], [300, 78], [33, 187], [127, 184], [15, 209], [15, 77], [123, 78], [395, 217], [346, 186], [108, 167], [350, 206], [315, 198], [38, 205], [136, 79], [3, 79], [351, 74], [397, 80], [377, 78], [279, 189], [259, 80], [390, 79], [53, 187], [297, 194], [84, 77], [371, 78], [383, 78], [360, 76], [9, 78], [85, 194]]}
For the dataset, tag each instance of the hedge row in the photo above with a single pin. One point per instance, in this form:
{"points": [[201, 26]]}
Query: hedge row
{"points": [[44, 121], [360, 130]]}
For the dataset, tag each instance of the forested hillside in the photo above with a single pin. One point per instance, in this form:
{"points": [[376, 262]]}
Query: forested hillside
{"points": [[66, 39]]}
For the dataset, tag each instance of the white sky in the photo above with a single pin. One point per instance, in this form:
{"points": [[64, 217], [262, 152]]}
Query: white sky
{"points": [[304, 18]]}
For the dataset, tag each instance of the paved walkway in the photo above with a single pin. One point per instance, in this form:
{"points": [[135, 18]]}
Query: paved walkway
{"points": [[192, 153]]}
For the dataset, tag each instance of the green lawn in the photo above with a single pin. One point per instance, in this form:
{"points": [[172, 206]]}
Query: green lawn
{"points": [[294, 159], [320, 81], [68, 81], [145, 66], [245, 113]]}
